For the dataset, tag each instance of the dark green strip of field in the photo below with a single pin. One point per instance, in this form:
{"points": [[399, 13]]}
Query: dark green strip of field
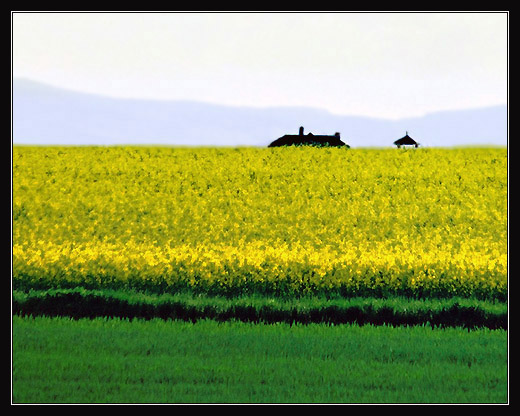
{"points": [[83, 303], [109, 360]]}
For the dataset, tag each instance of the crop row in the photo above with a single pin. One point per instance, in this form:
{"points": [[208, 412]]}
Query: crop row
{"points": [[254, 268], [81, 303]]}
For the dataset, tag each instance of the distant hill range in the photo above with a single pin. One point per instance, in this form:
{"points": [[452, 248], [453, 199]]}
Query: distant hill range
{"points": [[47, 115]]}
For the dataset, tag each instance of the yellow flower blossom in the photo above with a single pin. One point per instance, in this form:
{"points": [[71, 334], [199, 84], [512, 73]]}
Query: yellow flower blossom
{"points": [[431, 221]]}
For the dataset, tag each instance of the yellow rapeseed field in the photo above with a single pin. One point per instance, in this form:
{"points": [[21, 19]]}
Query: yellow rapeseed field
{"points": [[288, 221]]}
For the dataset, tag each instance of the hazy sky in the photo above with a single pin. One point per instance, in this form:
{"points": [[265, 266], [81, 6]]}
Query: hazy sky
{"points": [[382, 65]]}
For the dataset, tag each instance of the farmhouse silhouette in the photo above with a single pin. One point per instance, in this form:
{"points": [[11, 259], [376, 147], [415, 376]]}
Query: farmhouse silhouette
{"points": [[308, 140]]}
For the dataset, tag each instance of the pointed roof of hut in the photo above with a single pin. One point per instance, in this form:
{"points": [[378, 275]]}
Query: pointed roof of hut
{"points": [[405, 140]]}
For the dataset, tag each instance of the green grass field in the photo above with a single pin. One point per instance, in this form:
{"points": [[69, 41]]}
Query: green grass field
{"points": [[59, 360]]}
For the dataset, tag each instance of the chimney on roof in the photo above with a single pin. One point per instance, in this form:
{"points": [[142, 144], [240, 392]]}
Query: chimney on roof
{"points": [[301, 131], [337, 134]]}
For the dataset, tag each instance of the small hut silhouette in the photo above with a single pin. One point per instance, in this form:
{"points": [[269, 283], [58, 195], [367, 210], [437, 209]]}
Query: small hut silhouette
{"points": [[406, 140], [309, 140]]}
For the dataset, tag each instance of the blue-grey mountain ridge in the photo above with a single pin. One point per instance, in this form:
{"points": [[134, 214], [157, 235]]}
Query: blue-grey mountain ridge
{"points": [[46, 115]]}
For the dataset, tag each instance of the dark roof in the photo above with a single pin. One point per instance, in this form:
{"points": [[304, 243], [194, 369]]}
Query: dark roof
{"points": [[308, 139], [405, 140]]}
